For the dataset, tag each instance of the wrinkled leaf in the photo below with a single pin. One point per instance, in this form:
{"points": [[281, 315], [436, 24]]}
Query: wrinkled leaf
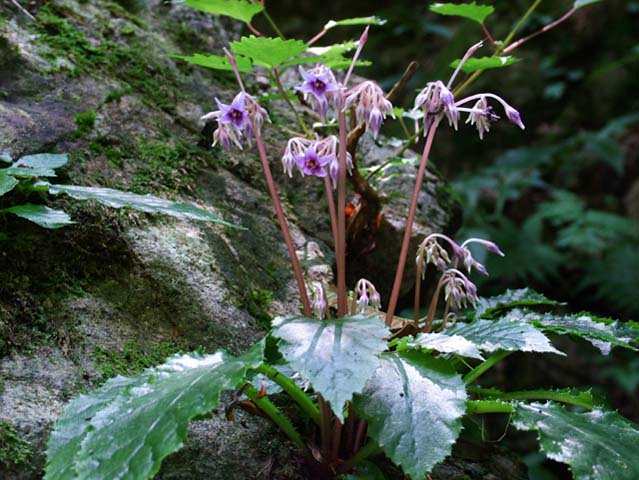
{"points": [[268, 52], [6, 183], [43, 160], [413, 405], [239, 9], [583, 3], [125, 428], [336, 356], [524, 297], [445, 344], [598, 445], [485, 63], [504, 334], [354, 21], [601, 335], [144, 203], [44, 216], [217, 62], [471, 10]]}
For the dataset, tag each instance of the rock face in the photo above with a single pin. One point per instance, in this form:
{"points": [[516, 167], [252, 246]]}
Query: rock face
{"points": [[119, 291]]}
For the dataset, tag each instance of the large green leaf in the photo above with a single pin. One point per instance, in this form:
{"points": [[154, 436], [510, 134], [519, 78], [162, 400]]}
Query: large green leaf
{"points": [[471, 10], [125, 428], [602, 335], [598, 445], [336, 356], [444, 344], [6, 183], [413, 405], [144, 203], [503, 334], [268, 52], [485, 63], [239, 9], [28, 172], [44, 216], [216, 62], [43, 160], [524, 297]]}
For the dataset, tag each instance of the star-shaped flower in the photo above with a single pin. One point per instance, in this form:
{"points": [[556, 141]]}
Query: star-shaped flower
{"points": [[313, 164]]}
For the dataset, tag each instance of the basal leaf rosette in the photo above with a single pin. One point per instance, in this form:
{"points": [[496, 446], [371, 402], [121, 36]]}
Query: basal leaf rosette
{"points": [[336, 356], [413, 405]]}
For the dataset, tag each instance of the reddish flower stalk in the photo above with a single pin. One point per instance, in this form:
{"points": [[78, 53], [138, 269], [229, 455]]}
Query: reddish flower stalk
{"points": [[279, 212], [401, 264], [550, 26]]}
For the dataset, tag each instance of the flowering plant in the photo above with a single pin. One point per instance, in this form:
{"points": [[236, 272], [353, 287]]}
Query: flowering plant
{"points": [[368, 383]]}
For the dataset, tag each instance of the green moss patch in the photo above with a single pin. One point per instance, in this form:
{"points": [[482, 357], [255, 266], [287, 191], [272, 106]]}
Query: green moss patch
{"points": [[14, 450]]}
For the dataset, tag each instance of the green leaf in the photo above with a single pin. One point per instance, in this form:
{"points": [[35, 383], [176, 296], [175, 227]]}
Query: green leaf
{"points": [[413, 405], [217, 62], [571, 396], [336, 356], [503, 334], [126, 427], [445, 344], [601, 335], [355, 21], [43, 160], [27, 172], [583, 3], [598, 445], [472, 11], [44, 216], [144, 203], [239, 9], [6, 183], [491, 307], [267, 52], [485, 63]]}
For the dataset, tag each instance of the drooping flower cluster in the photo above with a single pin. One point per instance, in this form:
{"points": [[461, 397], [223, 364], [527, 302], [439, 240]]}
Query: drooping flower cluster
{"points": [[437, 101], [319, 304], [320, 88], [371, 106], [238, 119], [364, 295], [458, 289], [318, 158]]}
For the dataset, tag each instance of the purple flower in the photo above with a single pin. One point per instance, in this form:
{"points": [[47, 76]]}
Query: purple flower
{"points": [[311, 163], [226, 134], [371, 106], [366, 294], [481, 115], [513, 116], [318, 82], [296, 147], [235, 113], [436, 100]]}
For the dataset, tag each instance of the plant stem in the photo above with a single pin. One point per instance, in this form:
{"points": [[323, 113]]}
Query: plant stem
{"points": [[337, 438], [341, 219], [490, 37], [283, 225], [368, 450], [331, 211], [276, 415], [556, 396], [295, 392], [325, 426], [280, 88], [399, 274], [475, 407], [277, 31], [486, 365], [521, 21], [505, 43], [550, 26]]}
